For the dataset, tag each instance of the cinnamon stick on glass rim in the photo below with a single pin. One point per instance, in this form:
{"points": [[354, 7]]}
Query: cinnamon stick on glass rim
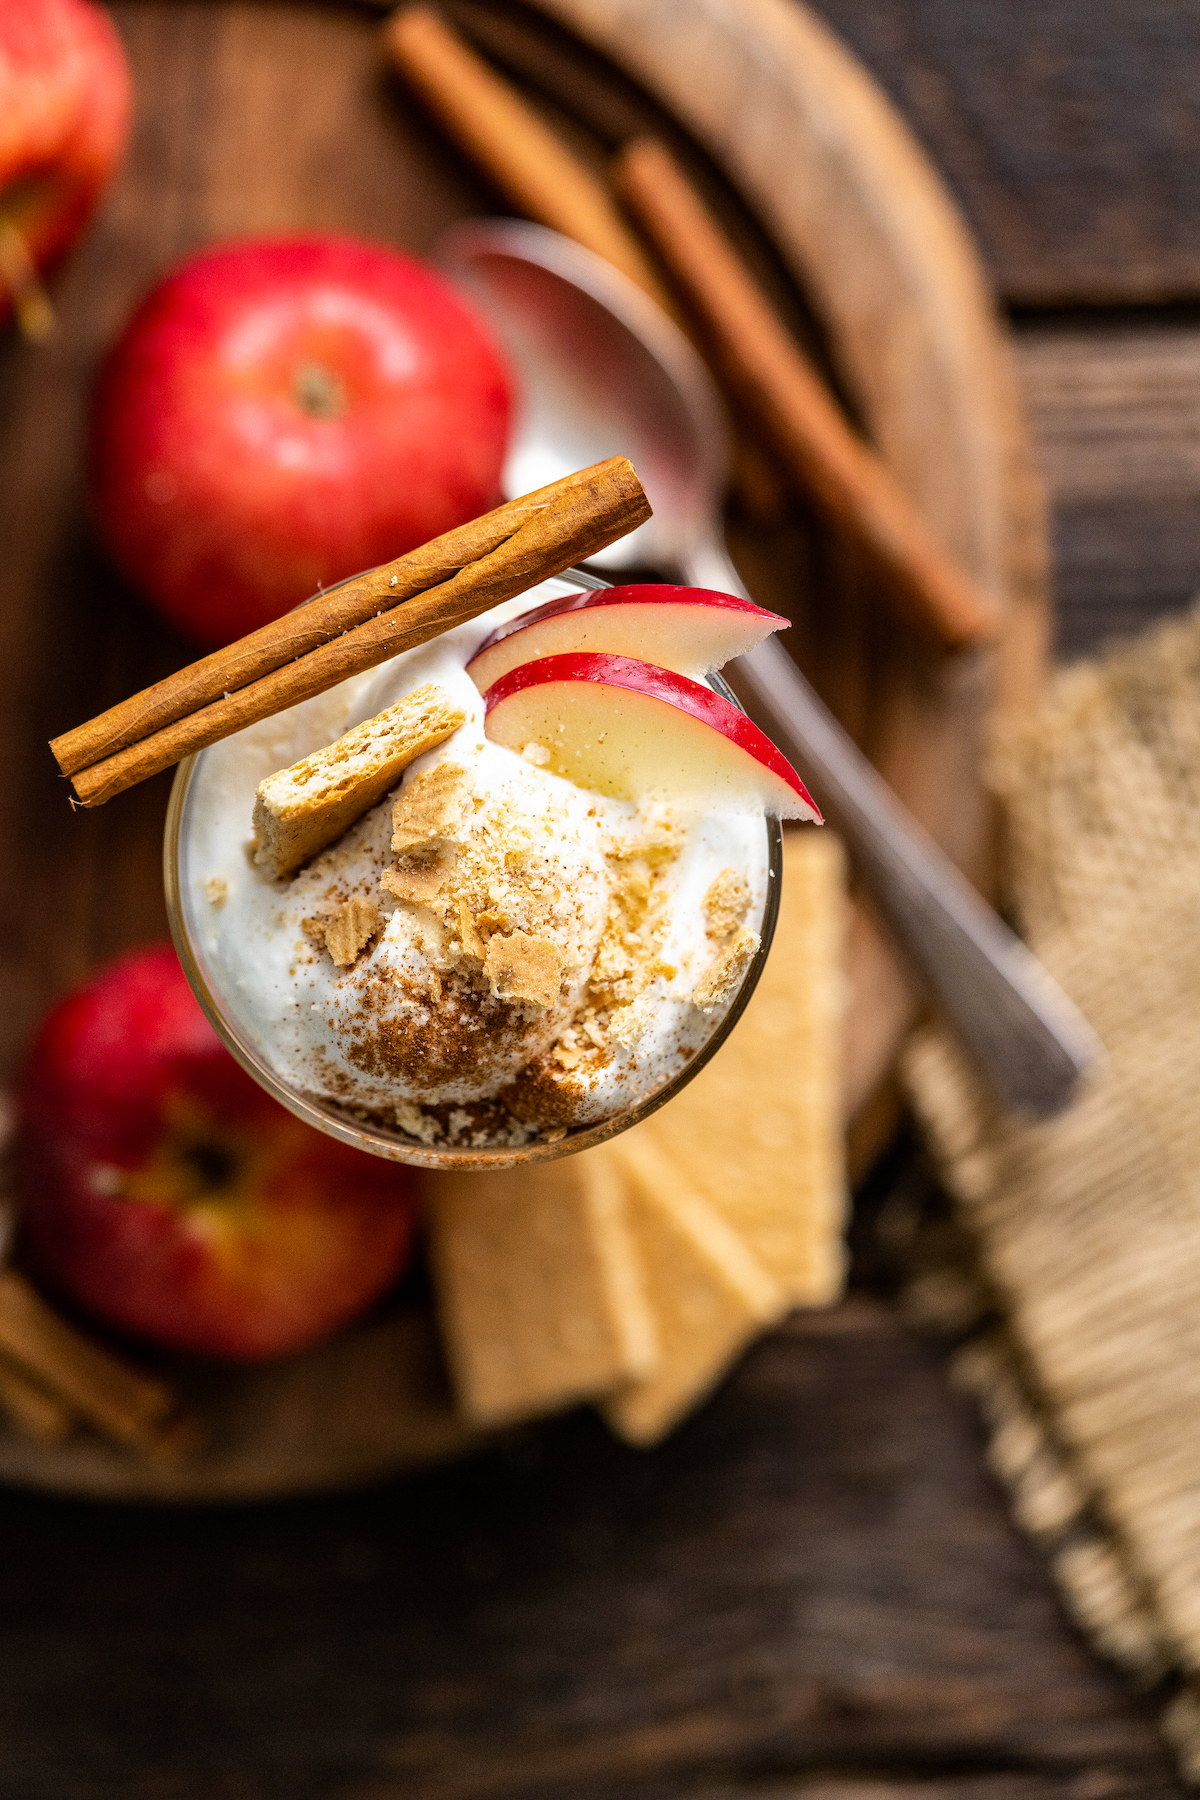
{"points": [[355, 627], [759, 360]]}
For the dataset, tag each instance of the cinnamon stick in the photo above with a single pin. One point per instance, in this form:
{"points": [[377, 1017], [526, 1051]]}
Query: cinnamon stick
{"points": [[583, 514], [759, 360], [34, 1412], [301, 631], [119, 1401], [543, 178], [528, 162]]}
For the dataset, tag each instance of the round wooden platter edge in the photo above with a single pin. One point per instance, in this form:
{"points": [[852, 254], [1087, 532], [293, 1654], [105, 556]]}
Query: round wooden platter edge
{"points": [[866, 227]]}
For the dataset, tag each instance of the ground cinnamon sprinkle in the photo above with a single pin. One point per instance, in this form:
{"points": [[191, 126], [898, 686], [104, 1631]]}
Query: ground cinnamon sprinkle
{"points": [[518, 964]]}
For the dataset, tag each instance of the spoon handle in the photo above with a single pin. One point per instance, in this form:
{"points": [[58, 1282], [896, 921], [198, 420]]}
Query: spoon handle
{"points": [[1025, 1036]]}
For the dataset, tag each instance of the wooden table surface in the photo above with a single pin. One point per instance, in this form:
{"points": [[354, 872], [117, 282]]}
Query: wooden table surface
{"points": [[813, 1588]]}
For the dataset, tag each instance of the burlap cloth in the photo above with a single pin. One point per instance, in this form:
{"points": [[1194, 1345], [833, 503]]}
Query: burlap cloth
{"points": [[1071, 1269]]}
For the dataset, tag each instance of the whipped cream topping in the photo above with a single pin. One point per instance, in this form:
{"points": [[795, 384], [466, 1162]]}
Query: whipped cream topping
{"points": [[516, 956]]}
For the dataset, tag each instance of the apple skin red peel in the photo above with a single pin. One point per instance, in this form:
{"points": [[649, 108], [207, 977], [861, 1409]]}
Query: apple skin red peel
{"points": [[688, 629], [626, 728]]}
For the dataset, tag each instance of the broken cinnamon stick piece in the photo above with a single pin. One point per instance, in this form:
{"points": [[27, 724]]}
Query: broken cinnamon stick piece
{"points": [[759, 361], [119, 1401], [30, 1409], [583, 514]]}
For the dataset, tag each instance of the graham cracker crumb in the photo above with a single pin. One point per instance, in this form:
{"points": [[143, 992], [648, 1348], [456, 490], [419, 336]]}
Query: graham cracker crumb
{"points": [[521, 967], [725, 974], [348, 928], [472, 943], [417, 1123], [417, 882], [627, 960], [726, 902], [216, 890], [433, 808]]}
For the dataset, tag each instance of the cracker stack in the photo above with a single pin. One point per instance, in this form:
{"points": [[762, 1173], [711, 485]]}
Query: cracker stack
{"points": [[634, 1273]]}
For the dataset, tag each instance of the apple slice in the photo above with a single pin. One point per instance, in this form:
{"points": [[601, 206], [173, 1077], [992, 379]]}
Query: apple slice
{"points": [[627, 729], [690, 630]]}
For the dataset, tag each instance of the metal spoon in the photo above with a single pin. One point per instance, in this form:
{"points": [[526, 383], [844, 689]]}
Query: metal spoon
{"points": [[604, 371]]}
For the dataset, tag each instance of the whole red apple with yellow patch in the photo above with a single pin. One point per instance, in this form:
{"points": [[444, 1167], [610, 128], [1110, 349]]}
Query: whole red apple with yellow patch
{"points": [[166, 1193], [64, 121], [281, 414]]}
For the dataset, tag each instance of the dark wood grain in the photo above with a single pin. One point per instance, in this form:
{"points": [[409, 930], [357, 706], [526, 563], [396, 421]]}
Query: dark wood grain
{"points": [[1068, 130], [811, 1586], [1114, 406]]}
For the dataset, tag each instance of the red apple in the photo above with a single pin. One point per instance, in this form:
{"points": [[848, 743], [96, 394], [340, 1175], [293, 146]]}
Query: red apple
{"points": [[690, 630], [627, 729], [278, 415], [64, 120], [166, 1193]]}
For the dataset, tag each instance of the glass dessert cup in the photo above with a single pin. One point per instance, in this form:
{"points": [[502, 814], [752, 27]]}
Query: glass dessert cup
{"points": [[346, 1122]]}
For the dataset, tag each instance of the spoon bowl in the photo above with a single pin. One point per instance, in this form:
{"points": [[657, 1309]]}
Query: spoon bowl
{"points": [[603, 372]]}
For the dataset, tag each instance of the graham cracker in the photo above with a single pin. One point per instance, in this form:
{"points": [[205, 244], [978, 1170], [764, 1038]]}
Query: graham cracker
{"points": [[349, 927], [709, 1295], [302, 809], [522, 967], [539, 1287], [758, 1133], [433, 808]]}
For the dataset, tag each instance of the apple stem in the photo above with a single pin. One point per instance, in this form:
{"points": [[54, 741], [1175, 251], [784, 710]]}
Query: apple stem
{"points": [[30, 301], [318, 392]]}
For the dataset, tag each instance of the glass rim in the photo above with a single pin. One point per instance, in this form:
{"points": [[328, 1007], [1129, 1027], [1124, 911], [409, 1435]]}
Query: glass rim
{"points": [[395, 1146]]}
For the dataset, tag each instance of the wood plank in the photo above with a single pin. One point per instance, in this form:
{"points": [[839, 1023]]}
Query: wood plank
{"points": [[811, 1587], [1067, 130], [1115, 412]]}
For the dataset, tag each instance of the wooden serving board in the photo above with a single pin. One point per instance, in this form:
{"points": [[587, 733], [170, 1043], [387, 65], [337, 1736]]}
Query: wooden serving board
{"points": [[268, 118]]}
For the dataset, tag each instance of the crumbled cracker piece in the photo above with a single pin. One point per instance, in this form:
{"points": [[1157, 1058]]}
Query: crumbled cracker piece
{"points": [[538, 1286], [521, 967], [725, 903], [472, 943], [348, 927], [708, 1292], [300, 810], [417, 882], [433, 808], [216, 890], [725, 973], [417, 1123], [627, 959]]}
